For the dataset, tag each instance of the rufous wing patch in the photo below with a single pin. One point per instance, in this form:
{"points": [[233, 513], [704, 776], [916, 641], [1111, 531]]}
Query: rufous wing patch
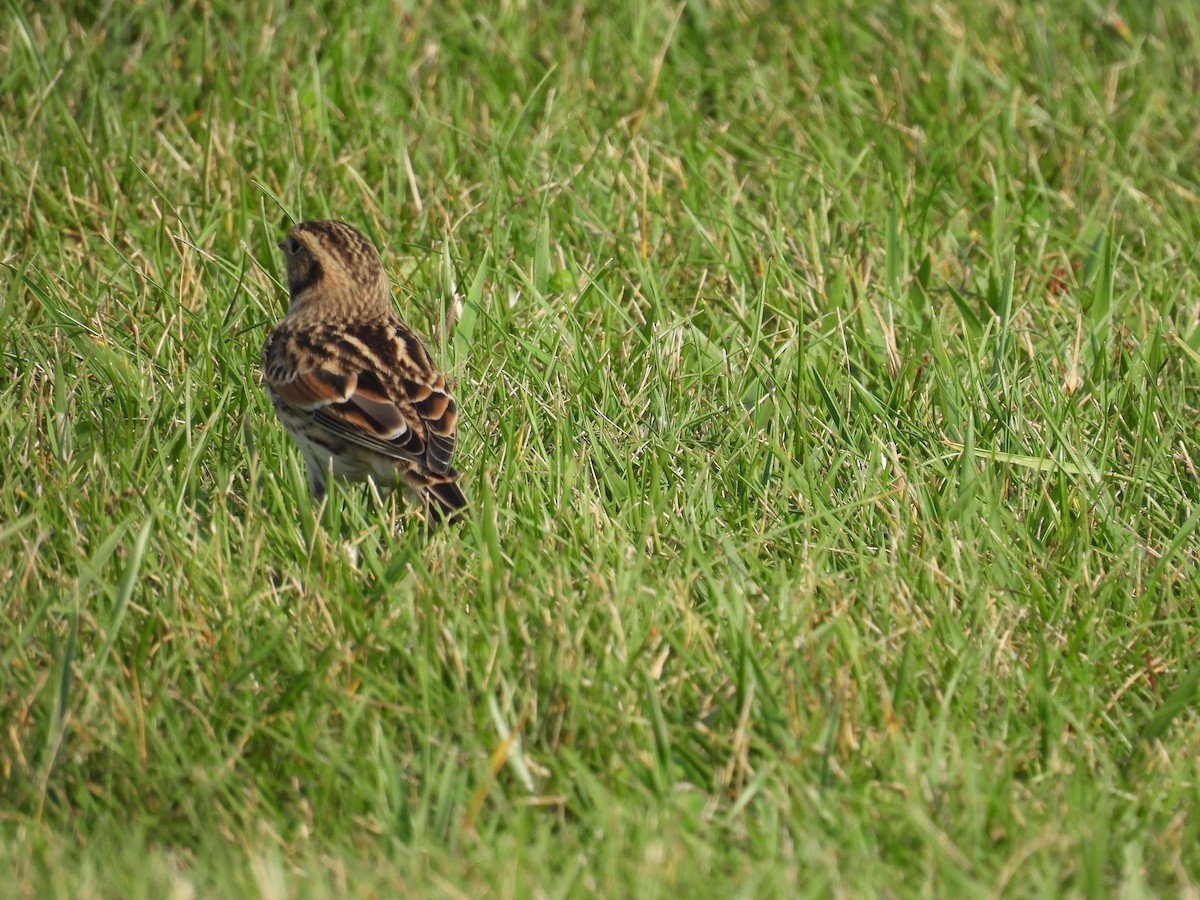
{"points": [[316, 388]]}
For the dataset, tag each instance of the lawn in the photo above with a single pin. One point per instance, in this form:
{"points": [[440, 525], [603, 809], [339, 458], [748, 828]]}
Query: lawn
{"points": [[829, 378]]}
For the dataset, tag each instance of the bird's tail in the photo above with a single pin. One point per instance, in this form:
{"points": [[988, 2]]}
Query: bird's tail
{"points": [[444, 500]]}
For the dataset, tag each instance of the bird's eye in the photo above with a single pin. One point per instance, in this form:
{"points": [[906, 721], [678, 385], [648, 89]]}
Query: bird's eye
{"points": [[290, 246]]}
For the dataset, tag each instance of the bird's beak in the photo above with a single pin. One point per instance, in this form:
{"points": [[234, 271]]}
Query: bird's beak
{"points": [[281, 244]]}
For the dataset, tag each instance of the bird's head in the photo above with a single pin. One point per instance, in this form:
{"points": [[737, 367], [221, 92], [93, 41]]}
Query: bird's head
{"points": [[332, 263]]}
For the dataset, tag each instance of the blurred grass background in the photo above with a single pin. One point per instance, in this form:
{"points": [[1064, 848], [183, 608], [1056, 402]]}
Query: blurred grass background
{"points": [[829, 388]]}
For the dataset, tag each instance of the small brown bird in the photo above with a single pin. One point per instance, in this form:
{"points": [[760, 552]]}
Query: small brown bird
{"points": [[352, 384]]}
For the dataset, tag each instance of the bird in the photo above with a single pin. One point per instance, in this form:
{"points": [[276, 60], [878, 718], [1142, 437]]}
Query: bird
{"points": [[352, 384]]}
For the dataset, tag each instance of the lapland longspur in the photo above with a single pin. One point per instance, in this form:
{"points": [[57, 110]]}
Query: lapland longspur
{"points": [[353, 385]]}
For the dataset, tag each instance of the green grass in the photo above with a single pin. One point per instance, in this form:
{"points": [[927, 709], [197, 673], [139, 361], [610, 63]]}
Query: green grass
{"points": [[829, 377]]}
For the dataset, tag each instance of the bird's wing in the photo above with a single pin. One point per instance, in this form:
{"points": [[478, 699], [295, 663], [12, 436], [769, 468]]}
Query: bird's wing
{"points": [[372, 384]]}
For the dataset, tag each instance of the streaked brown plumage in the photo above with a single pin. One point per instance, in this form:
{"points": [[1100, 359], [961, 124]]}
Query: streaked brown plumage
{"points": [[352, 384]]}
